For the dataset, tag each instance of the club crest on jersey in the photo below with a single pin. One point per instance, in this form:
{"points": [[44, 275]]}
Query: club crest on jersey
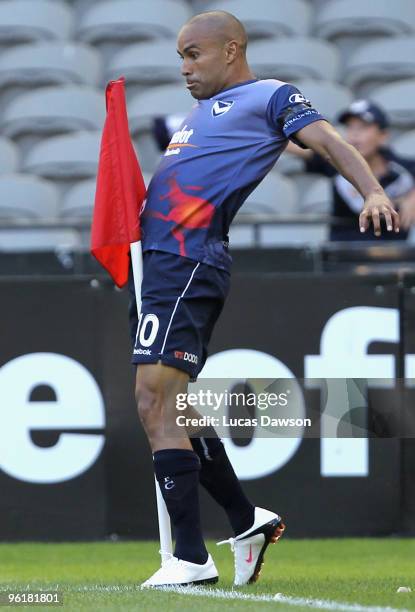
{"points": [[297, 98], [220, 108]]}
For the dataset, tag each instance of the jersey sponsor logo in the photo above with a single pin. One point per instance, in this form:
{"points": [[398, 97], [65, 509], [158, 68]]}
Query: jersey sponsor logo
{"points": [[186, 356], [298, 98], [220, 108], [179, 139]]}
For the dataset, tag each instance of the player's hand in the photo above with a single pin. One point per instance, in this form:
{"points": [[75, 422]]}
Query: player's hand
{"points": [[377, 204]]}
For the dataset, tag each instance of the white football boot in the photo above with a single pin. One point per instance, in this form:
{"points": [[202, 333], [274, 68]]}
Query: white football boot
{"points": [[249, 547], [176, 572]]}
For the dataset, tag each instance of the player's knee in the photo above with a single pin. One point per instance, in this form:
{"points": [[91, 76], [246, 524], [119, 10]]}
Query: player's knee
{"points": [[149, 402]]}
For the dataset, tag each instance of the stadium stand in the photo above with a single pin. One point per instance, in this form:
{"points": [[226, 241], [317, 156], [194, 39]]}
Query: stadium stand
{"points": [[47, 63], [327, 96], [156, 102], [53, 53], [317, 198], [383, 60], [292, 59], [398, 99], [52, 110], [264, 19], [72, 156], [275, 195], [151, 63], [78, 202], [9, 156], [144, 108], [31, 240], [30, 20], [128, 20], [346, 17], [405, 144], [27, 197], [290, 164]]}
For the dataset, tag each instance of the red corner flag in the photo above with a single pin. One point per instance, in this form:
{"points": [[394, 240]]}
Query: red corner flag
{"points": [[120, 190]]}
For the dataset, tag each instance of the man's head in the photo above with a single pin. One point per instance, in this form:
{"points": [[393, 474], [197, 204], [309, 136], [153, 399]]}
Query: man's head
{"points": [[366, 127], [213, 48]]}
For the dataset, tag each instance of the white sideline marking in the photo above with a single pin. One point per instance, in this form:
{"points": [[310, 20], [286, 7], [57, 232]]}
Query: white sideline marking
{"points": [[320, 604], [309, 602]]}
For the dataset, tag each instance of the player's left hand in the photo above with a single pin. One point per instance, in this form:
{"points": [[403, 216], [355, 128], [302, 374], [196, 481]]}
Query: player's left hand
{"points": [[377, 204]]}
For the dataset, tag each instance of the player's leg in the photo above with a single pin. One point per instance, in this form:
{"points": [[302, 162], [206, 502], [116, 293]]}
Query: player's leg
{"points": [[218, 477], [161, 335], [254, 527], [176, 465]]}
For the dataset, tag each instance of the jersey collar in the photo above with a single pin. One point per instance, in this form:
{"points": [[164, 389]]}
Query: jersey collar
{"points": [[234, 87]]}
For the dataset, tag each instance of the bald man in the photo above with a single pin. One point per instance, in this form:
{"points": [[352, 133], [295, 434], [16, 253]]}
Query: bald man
{"points": [[233, 135]]}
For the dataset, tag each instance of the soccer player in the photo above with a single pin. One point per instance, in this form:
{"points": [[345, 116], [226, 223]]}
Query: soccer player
{"points": [[232, 137]]}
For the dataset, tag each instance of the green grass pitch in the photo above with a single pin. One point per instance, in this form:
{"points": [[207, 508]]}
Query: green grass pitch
{"points": [[106, 576]]}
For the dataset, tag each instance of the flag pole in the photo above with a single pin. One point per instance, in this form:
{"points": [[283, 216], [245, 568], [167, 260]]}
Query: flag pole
{"points": [[166, 546]]}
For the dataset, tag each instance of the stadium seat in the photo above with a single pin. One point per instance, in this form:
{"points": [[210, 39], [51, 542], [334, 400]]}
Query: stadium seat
{"points": [[132, 20], [148, 63], [405, 145], [380, 61], [78, 202], [47, 63], [290, 164], [380, 17], [30, 20], [326, 96], [398, 100], [166, 100], [242, 236], [268, 18], [54, 109], [62, 157], [318, 197], [9, 156], [293, 59], [29, 240], [274, 195], [27, 197], [158, 102]]}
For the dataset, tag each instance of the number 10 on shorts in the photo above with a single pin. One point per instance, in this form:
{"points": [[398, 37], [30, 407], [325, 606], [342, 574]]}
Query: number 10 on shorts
{"points": [[147, 329]]}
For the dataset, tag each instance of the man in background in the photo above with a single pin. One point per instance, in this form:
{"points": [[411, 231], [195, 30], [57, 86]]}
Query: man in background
{"points": [[366, 128]]}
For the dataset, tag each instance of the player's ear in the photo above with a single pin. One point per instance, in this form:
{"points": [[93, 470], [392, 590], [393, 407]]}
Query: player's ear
{"points": [[231, 51]]}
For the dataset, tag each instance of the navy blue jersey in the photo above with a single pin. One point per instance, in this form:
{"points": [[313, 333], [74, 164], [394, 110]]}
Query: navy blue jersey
{"points": [[223, 149]]}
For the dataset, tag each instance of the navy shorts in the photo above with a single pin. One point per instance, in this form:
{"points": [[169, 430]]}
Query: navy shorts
{"points": [[181, 301]]}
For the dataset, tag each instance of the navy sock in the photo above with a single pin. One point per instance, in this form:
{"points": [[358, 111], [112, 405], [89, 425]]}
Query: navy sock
{"points": [[177, 472], [219, 479]]}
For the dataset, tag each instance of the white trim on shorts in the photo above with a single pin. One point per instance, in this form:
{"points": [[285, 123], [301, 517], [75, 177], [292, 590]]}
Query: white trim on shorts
{"points": [[176, 305]]}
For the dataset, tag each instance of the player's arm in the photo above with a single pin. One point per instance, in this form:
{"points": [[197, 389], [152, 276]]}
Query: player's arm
{"points": [[322, 138], [294, 149]]}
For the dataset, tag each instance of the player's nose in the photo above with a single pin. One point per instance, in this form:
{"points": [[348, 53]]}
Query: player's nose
{"points": [[185, 69]]}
